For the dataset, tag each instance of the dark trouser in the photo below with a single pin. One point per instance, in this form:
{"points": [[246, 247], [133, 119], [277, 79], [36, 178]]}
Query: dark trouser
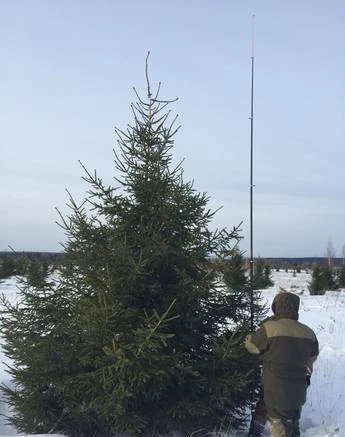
{"points": [[259, 417], [287, 426], [280, 426]]}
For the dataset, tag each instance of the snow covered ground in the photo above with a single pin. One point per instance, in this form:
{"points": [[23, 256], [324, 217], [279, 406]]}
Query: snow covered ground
{"points": [[324, 413]]}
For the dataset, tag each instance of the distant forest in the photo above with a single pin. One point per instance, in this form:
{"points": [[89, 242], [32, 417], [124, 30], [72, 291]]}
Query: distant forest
{"points": [[50, 257], [273, 262]]}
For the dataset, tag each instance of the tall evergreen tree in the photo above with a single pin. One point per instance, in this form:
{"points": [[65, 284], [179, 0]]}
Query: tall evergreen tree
{"points": [[138, 336]]}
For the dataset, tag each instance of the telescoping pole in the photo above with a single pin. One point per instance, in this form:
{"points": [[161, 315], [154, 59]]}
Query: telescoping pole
{"points": [[251, 266]]}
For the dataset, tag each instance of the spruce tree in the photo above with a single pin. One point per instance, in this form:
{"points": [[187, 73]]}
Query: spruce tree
{"points": [[138, 335], [316, 286], [7, 267], [328, 278], [267, 276], [237, 282], [341, 276], [322, 280], [37, 273], [262, 275], [22, 264], [235, 272]]}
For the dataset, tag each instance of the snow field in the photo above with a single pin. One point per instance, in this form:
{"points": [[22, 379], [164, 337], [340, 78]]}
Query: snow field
{"points": [[324, 412]]}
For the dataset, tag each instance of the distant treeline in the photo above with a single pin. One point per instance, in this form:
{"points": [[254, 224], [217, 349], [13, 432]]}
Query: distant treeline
{"points": [[304, 262], [282, 263], [50, 257]]}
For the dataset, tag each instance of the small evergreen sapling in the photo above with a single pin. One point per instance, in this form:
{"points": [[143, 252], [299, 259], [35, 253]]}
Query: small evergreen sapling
{"points": [[7, 267], [237, 281], [316, 286], [37, 273], [322, 280], [341, 276], [262, 275]]}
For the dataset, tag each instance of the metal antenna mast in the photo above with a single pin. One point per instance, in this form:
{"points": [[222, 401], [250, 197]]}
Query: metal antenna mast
{"points": [[252, 185]]}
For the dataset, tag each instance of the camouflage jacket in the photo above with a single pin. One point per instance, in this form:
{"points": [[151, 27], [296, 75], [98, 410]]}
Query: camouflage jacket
{"points": [[286, 347]]}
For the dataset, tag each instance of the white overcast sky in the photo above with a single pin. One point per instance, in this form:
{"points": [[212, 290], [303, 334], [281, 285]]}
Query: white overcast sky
{"points": [[66, 78]]}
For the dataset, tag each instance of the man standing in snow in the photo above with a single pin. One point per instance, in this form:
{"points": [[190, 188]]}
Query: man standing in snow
{"points": [[287, 348]]}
